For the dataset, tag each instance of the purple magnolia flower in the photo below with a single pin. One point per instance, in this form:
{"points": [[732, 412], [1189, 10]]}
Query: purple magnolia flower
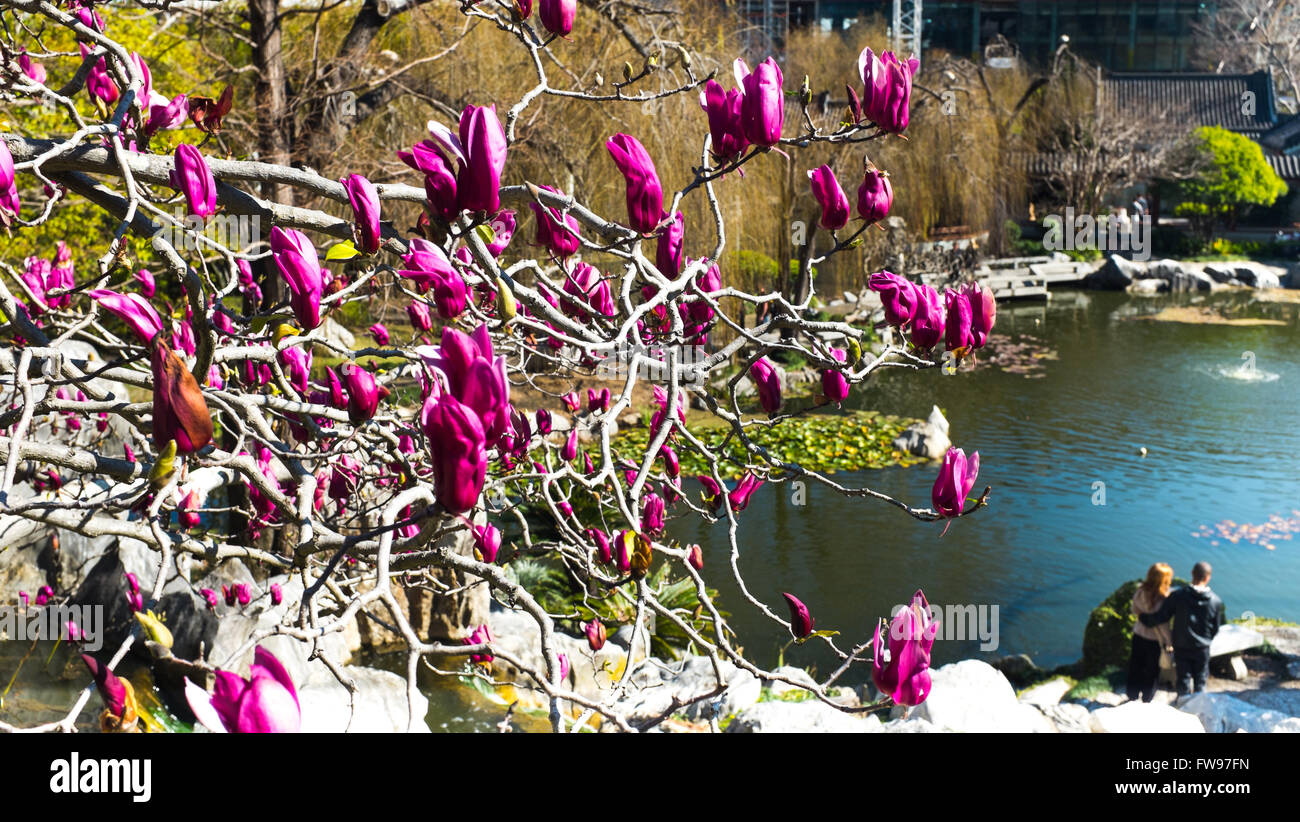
{"points": [[364, 198], [958, 334], [927, 322], [724, 109], [801, 622], [380, 332], [739, 497], [875, 196], [296, 259], [543, 418], [147, 285], [482, 635], [480, 150], [571, 402], [167, 115], [487, 542], [364, 393], [558, 15], [503, 230], [956, 478], [695, 556], [132, 309], [645, 198], [595, 631], [191, 176], [428, 267], [34, 71], [831, 197], [277, 593], [459, 460], [905, 677], [419, 316], [768, 383], [652, 514], [712, 495], [10, 205], [983, 311], [570, 450], [476, 377], [98, 83], [834, 385], [209, 598], [187, 513], [762, 111], [558, 236], [888, 88], [672, 467], [243, 593], [598, 400], [439, 179], [586, 284], [897, 294], [668, 251], [115, 693], [266, 702]]}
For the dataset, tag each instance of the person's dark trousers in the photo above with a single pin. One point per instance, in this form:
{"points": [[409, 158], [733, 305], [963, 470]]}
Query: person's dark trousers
{"points": [[1192, 666], [1143, 668]]}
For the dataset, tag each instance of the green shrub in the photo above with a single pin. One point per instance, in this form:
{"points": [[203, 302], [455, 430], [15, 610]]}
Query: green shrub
{"points": [[1108, 636]]}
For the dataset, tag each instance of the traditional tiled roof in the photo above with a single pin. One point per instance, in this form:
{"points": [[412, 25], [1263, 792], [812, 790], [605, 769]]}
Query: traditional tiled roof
{"points": [[1197, 99], [1287, 166], [1285, 138]]}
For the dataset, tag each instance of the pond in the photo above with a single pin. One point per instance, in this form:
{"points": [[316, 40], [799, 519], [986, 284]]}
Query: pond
{"points": [[1075, 509]]}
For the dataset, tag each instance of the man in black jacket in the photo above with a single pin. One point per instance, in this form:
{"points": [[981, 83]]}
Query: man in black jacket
{"points": [[1197, 613]]}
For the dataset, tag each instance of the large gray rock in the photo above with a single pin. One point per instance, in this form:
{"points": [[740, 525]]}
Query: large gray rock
{"points": [[972, 696], [812, 716], [1115, 274], [1046, 693], [656, 688], [1163, 270], [780, 689], [1148, 288], [1247, 274], [382, 704], [1068, 718], [1223, 713], [926, 439], [1144, 718], [1188, 280]]}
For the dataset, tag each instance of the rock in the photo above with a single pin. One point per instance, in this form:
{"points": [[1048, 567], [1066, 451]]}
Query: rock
{"points": [[382, 704], [780, 689], [1046, 693], [1148, 288], [914, 725], [1016, 667], [1068, 718], [1144, 717], [812, 716], [1233, 639], [1108, 699], [927, 439], [1246, 274], [657, 688], [1222, 273], [1163, 270], [972, 696], [1115, 274], [517, 634], [1222, 713], [1293, 669], [1190, 280], [850, 297]]}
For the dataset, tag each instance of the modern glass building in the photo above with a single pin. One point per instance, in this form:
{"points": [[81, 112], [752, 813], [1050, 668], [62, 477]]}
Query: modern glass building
{"points": [[1122, 35]]}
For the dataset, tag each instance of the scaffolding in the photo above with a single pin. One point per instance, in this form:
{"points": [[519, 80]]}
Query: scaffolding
{"points": [[769, 23], [906, 29]]}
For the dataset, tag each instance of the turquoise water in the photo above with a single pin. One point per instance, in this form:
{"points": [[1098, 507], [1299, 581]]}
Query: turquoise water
{"points": [[1223, 444]]}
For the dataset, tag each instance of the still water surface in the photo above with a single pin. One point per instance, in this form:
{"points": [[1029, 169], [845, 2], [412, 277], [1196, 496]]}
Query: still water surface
{"points": [[1214, 405]]}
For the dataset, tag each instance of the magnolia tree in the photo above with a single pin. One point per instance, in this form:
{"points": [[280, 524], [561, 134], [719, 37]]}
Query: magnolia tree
{"points": [[370, 478]]}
